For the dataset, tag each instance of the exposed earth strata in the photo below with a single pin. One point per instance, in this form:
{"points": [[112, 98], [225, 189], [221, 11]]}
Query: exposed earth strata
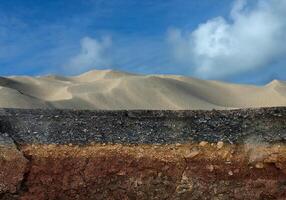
{"points": [[65, 154]]}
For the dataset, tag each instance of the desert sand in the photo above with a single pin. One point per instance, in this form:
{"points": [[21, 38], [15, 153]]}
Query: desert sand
{"points": [[113, 90]]}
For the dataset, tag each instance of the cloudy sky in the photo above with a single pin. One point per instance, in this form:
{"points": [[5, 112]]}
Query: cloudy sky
{"points": [[241, 41]]}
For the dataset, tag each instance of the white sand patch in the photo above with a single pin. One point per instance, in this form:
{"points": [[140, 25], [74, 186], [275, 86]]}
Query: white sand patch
{"points": [[108, 89]]}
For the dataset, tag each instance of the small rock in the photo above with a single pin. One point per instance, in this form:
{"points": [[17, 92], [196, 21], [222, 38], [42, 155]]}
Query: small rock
{"points": [[259, 165], [203, 143], [215, 191], [228, 159], [210, 168], [230, 173], [121, 173], [192, 154], [219, 145]]}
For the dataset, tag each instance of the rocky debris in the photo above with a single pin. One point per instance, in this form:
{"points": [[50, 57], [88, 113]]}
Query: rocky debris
{"points": [[210, 168], [230, 173], [219, 144], [192, 153], [143, 127], [259, 165], [203, 143]]}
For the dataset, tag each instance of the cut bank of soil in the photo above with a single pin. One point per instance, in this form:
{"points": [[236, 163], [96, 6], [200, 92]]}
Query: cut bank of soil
{"points": [[250, 168]]}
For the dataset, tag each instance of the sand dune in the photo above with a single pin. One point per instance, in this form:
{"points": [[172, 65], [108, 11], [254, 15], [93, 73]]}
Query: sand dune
{"points": [[107, 89]]}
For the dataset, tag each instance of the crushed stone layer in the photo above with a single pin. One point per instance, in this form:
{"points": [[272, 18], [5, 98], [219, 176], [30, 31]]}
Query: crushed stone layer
{"points": [[180, 171], [142, 127]]}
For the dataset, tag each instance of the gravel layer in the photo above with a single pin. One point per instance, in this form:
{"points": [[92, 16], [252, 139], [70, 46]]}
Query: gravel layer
{"points": [[143, 127]]}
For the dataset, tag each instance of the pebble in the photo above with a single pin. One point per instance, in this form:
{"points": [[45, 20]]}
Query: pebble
{"points": [[178, 144], [121, 173], [219, 145], [230, 173], [210, 168], [192, 154], [203, 143], [259, 165]]}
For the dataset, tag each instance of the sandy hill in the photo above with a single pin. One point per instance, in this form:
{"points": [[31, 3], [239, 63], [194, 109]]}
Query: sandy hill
{"points": [[107, 89]]}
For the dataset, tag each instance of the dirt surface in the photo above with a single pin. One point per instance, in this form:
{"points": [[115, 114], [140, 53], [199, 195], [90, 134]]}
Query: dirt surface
{"points": [[81, 166]]}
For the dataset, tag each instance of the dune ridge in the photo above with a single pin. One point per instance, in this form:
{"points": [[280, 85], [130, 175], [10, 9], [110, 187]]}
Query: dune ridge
{"points": [[114, 90]]}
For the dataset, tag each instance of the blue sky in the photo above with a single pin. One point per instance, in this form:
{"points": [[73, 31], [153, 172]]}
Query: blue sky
{"points": [[238, 41]]}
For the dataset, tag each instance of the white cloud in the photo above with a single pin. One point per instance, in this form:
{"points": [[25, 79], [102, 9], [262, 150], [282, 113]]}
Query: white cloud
{"points": [[252, 37], [93, 53]]}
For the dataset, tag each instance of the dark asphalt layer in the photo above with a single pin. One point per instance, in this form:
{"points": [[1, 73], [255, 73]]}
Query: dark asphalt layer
{"points": [[142, 127]]}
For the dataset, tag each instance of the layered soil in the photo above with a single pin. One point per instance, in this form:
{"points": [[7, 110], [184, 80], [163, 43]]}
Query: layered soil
{"points": [[246, 163], [189, 171]]}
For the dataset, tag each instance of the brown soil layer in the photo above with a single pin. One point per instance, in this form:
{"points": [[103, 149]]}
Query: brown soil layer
{"points": [[178, 171], [12, 168]]}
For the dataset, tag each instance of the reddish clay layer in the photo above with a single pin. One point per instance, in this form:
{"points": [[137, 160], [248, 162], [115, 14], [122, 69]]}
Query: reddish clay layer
{"points": [[191, 171], [12, 169]]}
